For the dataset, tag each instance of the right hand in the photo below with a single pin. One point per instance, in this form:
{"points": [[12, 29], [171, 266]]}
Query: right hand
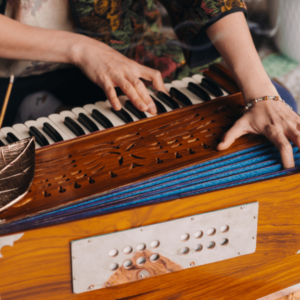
{"points": [[109, 69]]}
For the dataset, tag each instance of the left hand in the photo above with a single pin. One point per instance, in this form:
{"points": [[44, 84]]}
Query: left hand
{"points": [[274, 120]]}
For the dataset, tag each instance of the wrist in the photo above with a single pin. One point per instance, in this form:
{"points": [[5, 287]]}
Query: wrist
{"points": [[76, 49], [251, 92]]}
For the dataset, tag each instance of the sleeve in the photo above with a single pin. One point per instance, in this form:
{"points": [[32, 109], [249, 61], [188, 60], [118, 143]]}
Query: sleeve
{"points": [[191, 18]]}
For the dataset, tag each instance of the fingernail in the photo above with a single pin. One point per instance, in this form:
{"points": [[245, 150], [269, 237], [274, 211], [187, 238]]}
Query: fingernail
{"points": [[143, 107], [118, 107], [152, 109]]}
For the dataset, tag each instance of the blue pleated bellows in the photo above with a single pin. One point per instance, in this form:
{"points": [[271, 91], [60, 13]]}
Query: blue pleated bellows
{"points": [[246, 166]]}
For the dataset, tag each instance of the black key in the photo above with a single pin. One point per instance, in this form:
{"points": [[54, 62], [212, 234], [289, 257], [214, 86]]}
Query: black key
{"points": [[198, 91], [11, 138], [167, 100], [73, 126], [1, 144], [100, 118], [180, 97], [52, 132], [139, 114], [160, 108], [87, 122], [123, 115], [211, 87], [39, 137]]}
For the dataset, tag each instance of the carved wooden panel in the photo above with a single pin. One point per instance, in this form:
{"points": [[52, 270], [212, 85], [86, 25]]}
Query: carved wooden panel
{"points": [[100, 162]]}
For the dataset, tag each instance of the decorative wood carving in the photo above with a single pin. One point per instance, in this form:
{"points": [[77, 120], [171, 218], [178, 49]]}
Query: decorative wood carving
{"points": [[109, 159]]}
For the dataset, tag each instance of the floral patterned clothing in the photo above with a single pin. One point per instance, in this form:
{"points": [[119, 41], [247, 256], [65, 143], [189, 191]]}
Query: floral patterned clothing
{"points": [[132, 27]]}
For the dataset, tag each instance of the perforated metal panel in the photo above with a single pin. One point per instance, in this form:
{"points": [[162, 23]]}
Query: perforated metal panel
{"points": [[130, 255]]}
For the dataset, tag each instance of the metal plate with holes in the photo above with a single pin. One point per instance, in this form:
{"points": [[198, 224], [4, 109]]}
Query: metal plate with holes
{"points": [[134, 254]]}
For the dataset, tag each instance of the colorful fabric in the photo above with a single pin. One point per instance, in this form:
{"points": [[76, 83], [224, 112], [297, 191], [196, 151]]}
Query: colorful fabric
{"points": [[133, 27]]}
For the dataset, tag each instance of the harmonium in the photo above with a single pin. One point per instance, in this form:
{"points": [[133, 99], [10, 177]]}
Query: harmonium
{"points": [[124, 205]]}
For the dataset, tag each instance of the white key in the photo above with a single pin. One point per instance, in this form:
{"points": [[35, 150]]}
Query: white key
{"points": [[78, 110], [182, 87], [67, 113], [189, 79], [39, 126], [168, 86], [104, 107], [3, 139], [151, 93], [58, 120], [22, 130], [6, 130], [47, 120], [123, 99], [199, 78]]}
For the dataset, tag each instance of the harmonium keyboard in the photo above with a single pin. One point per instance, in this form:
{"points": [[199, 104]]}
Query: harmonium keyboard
{"points": [[125, 205]]}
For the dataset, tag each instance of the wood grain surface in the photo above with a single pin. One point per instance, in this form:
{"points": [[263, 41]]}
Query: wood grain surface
{"points": [[38, 265], [97, 163]]}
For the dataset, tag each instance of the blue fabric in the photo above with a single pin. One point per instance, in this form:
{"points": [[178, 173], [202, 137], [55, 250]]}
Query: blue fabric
{"points": [[286, 96]]}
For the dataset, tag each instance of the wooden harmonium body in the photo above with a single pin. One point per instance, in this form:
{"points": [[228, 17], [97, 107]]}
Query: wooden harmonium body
{"points": [[151, 210]]}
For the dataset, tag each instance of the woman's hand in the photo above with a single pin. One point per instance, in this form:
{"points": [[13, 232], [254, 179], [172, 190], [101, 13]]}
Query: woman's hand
{"points": [[109, 69], [102, 64], [274, 120]]}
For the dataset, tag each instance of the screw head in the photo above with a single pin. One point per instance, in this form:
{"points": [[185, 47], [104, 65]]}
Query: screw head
{"points": [[74, 257], [91, 287], [144, 274], [89, 241], [142, 229], [254, 217], [239, 253], [253, 238], [192, 263], [75, 278], [192, 219]]}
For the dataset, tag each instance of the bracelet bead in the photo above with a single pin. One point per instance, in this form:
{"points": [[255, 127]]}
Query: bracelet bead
{"points": [[265, 98]]}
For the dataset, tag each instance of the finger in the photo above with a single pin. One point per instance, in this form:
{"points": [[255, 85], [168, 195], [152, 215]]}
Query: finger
{"points": [[132, 94], [156, 78], [143, 93], [284, 147], [231, 135], [294, 136], [111, 94]]}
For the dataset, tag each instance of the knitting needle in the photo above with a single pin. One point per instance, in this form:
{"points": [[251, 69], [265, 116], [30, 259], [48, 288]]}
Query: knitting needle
{"points": [[6, 99]]}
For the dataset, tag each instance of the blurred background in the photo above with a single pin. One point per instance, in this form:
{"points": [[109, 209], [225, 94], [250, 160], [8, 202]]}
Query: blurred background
{"points": [[275, 28]]}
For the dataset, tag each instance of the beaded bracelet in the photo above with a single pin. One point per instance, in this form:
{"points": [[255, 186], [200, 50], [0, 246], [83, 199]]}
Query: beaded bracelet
{"points": [[275, 98]]}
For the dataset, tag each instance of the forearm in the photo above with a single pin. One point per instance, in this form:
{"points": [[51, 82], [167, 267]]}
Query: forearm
{"points": [[232, 38], [23, 42]]}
